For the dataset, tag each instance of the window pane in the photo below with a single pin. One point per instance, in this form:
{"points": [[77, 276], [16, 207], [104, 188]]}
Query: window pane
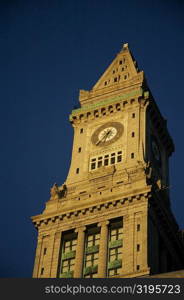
{"points": [[88, 257], [88, 263], [97, 236], [65, 269], [119, 159], [72, 268], [65, 263], [93, 166], [96, 256], [106, 162], [99, 164], [90, 238], [67, 244], [72, 261], [113, 160]]}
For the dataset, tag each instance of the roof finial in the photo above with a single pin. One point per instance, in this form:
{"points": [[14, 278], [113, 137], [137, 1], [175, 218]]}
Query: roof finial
{"points": [[125, 46]]}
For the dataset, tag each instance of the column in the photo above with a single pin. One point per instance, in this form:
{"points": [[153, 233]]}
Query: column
{"points": [[56, 252], [49, 256], [128, 244], [79, 252], [37, 257], [102, 262]]}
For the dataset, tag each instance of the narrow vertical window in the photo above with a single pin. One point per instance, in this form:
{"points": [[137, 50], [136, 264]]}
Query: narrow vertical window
{"points": [[132, 155], [133, 134], [138, 227], [91, 253], [81, 130], [133, 115], [68, 251], [119, 156], [79, 150], [44, 251], [77, 171], [42, 271], [138, 247], [106, 160], [115, 247]]}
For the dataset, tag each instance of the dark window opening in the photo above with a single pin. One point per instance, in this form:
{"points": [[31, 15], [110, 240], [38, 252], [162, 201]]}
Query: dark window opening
{"points": [[93, 166], [42, 271], [99, 164], [106, 162], [112, 160], [132, 155], [138, 227], [81, 130], [119, 158], [77, 171], [133, 134], [133, 115], [79, 150]]}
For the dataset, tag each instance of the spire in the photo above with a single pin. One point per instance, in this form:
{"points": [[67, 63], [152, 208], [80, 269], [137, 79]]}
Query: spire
{"points": [[121, 74], [121, 70]]}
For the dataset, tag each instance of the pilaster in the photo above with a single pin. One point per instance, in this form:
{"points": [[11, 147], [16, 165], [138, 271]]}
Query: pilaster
{"points": [[102, 262], [79, 252]]}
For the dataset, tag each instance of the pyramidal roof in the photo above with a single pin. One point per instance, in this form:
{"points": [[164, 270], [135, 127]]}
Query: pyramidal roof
{"points": [[122, 73], [122, 68]]}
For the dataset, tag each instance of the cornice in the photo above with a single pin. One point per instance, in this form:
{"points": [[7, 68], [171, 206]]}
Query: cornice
{"points": [[40, 219], [108, 107]]}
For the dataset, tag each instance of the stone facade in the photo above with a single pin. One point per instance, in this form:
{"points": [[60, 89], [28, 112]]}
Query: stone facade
{"points": [[112, 216]]}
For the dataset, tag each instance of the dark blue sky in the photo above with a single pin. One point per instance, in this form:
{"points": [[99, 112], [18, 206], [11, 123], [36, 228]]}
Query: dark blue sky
{"points": [[49, 50]]}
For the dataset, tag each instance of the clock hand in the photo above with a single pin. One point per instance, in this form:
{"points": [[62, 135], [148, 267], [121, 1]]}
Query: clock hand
{"points": [[105, 135]]}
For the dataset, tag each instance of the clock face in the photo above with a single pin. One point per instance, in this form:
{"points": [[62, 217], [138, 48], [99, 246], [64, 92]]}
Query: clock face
{"points": [[107, 134]]}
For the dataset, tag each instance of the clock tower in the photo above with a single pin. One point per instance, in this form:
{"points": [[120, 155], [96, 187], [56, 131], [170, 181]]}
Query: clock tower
{"points": [[112, 216]]}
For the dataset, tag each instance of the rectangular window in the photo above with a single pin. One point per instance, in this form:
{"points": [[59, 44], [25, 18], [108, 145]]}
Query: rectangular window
{"points": [[42, 271], [99, 163], [132, 155], [68, 251], [138, 227], [119, 158], [93, 166], [112, 160], [106, 162], [115, 246], [91, 252], [107, 159]]}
